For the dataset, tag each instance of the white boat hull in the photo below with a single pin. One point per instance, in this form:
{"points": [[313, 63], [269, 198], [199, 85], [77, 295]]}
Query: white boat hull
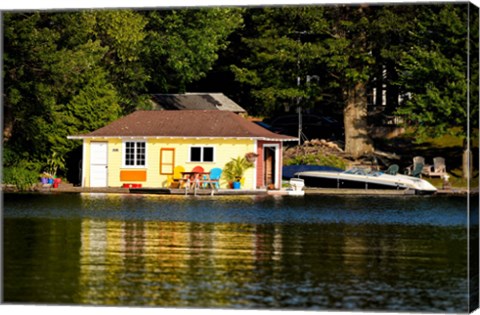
{"points": [[358, 179]]}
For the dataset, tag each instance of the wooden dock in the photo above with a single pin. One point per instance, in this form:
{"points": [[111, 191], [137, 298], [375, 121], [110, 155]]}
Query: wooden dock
{"points": [[68, 188], [197, 192]]}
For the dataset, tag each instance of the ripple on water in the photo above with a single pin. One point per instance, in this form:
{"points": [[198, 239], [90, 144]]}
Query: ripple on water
{"points": [[316, 252]]}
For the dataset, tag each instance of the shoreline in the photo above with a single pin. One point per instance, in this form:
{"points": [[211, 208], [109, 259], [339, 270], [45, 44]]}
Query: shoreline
{"points": [[46, 189]]}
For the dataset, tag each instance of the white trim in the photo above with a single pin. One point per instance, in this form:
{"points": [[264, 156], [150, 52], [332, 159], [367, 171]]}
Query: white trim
{"points": [[201, 153], [182, 138], [84, 162], [124, 141], [277, 181], [255, 164]]}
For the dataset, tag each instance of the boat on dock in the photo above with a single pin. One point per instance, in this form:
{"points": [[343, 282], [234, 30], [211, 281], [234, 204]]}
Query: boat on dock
{"points": [[357, 178]]}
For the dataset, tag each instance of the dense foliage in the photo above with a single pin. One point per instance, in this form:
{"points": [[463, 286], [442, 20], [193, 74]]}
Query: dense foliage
{"points": [[68, 73], [434, 71]]}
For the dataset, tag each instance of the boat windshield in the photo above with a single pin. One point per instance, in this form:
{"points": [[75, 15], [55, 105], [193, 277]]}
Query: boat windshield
{"points": [[356, 171], [362, 171]]}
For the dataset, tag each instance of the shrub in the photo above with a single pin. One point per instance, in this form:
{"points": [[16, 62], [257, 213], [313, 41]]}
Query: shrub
{"points": [[21, 178], [317, 159]]}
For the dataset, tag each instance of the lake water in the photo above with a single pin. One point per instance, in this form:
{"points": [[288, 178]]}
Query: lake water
{"points": [[250, 252]]}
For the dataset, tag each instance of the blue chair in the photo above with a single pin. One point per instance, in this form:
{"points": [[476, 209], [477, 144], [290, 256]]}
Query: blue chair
{"points": [[215, 174]]}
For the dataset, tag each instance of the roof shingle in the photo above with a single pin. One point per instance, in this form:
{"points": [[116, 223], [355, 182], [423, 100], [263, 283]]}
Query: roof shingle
{"points": [[185, 124], [195, 101]]}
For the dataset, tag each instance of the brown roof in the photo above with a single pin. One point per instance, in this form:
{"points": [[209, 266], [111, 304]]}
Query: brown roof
{"points": [[185, 124]]}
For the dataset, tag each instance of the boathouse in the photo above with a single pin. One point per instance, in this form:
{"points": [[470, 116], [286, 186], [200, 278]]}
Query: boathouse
{"points": [[145, 147]]}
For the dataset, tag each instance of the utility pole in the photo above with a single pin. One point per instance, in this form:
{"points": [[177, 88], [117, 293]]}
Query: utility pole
{"points": [[299, 110], [308, 78]]}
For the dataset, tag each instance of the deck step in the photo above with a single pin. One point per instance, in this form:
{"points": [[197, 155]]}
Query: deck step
{"points": [[65, 185]]}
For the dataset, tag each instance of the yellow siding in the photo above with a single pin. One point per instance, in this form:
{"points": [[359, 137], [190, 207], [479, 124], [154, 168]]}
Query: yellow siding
{"points": [[224, 149], [86, 163], [115, 162]]}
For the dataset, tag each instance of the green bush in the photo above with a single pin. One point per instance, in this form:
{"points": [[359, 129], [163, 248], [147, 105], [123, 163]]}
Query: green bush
{"points": [[317, 159], [20, 177]]}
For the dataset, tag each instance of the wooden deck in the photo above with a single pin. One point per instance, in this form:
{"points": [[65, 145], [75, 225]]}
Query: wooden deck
{"points": [[68, 188], [199, 192]]}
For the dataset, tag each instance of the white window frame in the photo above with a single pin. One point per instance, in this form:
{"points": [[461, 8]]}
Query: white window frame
{"points": [[124, 150], [202, 147]]}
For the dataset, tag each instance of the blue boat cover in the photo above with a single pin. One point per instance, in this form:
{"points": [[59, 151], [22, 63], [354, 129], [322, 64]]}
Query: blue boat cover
{"points": [[290, 170]]}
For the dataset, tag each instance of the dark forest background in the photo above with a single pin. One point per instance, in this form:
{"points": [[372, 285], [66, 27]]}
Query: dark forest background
{"points": [[68, 73]]}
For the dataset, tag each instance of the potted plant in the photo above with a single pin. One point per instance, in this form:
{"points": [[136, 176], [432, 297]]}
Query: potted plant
{"points": [[234, 170], [251, 157]]}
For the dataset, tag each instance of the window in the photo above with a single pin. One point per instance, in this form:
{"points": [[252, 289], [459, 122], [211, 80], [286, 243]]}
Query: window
{"points": [[134, 154], [201, 154], [167, 161]]}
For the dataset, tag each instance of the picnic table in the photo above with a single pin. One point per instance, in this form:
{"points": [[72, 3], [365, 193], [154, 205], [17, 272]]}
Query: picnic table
{"points": [[196, 180]]}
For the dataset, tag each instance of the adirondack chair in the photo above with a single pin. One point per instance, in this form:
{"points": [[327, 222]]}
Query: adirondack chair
{"points": [[437, 169], [173, 181], [392, 169], [213, 181], [417, 171], [416, 160]]}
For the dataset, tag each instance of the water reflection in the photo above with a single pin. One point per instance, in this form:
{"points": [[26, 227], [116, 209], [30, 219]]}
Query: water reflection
{"points": [[224, 265], [236, 253], [164, 262]]}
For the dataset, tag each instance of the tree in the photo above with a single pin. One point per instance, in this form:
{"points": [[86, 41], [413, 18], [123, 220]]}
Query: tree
{"points": [[182, 45], [73, 72], [292, 43], [349, 59], [434, 71], [281, 50], [390, 36], [55, 83]]}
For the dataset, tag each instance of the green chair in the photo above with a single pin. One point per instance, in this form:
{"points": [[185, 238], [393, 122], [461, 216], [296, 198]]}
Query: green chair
{"points": [[416, 161], [392, 169], [417, 171]]}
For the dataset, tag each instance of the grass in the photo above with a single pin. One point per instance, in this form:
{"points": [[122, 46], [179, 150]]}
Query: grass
{"points": [[456, 180], [448, 146]]}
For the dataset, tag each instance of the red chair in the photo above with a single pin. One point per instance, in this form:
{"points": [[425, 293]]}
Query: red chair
{"points": [[198, 169], [195, 176]]}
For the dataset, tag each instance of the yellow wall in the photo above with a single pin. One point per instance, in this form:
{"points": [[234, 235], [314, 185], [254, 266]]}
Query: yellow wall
{"points": [[224, 149]]}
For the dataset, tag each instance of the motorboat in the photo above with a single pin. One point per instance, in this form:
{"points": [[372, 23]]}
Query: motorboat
{"points": [[296, 187], [357, 178]]}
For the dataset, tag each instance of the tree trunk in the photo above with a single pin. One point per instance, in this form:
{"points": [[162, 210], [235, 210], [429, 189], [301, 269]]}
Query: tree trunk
{"points": [[392, 88], [467, 161], [357, 140]]}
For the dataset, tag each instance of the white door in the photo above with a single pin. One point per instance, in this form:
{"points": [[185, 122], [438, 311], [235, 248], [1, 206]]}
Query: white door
{"points": [[98, 164]]}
